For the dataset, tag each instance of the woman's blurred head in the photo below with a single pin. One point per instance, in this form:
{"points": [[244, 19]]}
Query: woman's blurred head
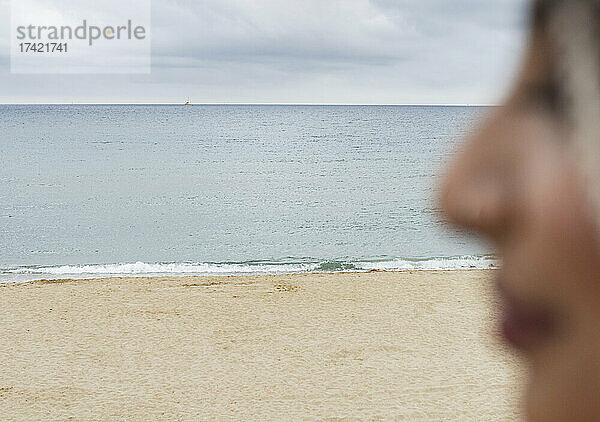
{"points": [[529, 179]]}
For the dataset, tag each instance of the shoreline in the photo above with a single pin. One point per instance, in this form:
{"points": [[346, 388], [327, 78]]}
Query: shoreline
{"points": [[96, 277], [414, 345], [284, 266]]}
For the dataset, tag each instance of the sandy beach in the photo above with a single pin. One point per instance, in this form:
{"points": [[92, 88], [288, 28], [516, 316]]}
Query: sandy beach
{"points": [[369, 346]]}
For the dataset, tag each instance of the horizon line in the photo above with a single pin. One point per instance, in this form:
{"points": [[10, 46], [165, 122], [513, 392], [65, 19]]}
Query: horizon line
{"points": [[266, 103]]}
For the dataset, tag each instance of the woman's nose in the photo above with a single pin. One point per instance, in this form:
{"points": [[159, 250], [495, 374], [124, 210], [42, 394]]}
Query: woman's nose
{"points": [[473, 191]]}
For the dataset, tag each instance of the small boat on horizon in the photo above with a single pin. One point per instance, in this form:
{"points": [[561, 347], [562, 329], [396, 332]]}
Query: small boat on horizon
{"points": [[187, 103]]}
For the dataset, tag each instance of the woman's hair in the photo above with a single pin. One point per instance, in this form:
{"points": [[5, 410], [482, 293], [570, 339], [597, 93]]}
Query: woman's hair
{"points": [[543, 9]]}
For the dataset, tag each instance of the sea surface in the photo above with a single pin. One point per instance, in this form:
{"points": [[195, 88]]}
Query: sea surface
{"points": [[98, 190]]}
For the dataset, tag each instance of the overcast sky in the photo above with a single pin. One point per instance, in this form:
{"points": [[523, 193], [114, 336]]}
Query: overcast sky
{"points": [[304, 51]]}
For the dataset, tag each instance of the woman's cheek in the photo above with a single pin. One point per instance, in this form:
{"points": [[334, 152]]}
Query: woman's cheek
{"points": [[565, 231]]}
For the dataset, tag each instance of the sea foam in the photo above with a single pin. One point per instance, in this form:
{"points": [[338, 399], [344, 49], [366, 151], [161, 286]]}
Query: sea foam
{"points": [[140, 269]]}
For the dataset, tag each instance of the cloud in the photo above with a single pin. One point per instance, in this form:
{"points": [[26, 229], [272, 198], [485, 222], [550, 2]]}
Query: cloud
{"points": [[366, 51], [270, 30]]}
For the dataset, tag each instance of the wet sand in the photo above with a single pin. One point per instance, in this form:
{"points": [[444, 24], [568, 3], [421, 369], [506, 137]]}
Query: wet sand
{"points": [[401, 346]]}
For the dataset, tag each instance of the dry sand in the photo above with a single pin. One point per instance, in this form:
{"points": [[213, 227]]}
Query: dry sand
{"points": [[375, 346]]}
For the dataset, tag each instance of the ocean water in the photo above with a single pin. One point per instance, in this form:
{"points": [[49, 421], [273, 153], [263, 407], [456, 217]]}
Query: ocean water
{"points": [[151, 189]]}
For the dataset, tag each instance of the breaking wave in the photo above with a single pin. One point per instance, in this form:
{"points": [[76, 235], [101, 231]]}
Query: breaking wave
{"points": [[288, 266]]}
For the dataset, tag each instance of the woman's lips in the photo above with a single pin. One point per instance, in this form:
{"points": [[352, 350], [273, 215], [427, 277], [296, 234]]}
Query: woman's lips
{"points": [[522, 325]]}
